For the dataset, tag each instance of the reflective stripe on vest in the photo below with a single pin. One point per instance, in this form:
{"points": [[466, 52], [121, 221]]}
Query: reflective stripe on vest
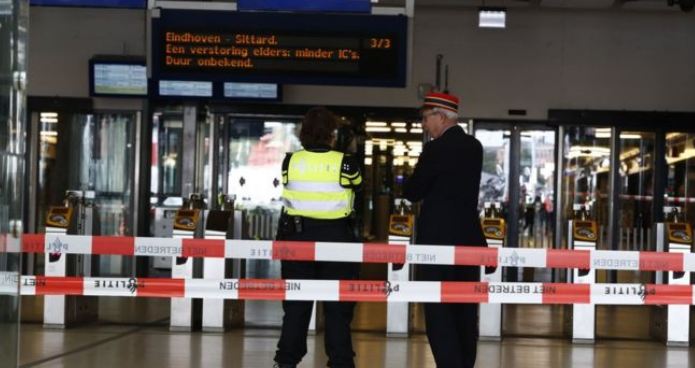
{"points": [[313, 186]]}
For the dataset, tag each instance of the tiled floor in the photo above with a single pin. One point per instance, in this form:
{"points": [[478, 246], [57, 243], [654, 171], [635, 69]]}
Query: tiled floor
{"points": [[106, 346]]}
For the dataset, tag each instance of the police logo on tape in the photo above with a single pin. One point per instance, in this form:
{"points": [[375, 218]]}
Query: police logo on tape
{"points": [[56, 246], [130, 285]]}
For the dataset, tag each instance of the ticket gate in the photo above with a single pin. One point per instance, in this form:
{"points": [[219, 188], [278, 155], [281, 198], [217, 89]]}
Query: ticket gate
{"points": [[76, 217], [219, 314], [672, 322], [188, 224], [401, 231], [583, 235], [494, 229], [163, 227]]}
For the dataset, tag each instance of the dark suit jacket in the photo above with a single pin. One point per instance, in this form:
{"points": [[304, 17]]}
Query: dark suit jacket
{"points": [[447, 180]]}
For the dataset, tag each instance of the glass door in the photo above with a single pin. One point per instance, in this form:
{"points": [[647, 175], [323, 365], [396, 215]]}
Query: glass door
{"points": [[14, 21], [254, 149], [90, 152], [586, 178], [527, 155], [519, 174], [680, 174], [167, 150], [537, 188], [494, 179], [636, 193]]}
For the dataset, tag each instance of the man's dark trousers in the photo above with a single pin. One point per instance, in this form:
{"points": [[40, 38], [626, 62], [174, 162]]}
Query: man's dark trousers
{"points": [[452, 328]]}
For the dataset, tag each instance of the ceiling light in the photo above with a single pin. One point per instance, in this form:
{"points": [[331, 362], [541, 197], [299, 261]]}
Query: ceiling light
{"points": [[492, 17], [378, 129], [376, 124]]}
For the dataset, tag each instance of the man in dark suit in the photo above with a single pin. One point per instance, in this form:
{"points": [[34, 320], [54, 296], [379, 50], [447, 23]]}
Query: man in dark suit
{"points": [[447, 180]]}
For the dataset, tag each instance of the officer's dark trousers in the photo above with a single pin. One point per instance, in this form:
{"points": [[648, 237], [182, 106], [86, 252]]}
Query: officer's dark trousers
{"points": [[338, 316], [452, 329]]}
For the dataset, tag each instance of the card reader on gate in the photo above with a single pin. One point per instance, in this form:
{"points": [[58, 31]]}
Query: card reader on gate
{"points": [[59, 217], [401, 225], [186, 220], [679, 233]]}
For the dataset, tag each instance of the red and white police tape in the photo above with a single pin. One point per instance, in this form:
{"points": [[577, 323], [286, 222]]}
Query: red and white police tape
{"points": [[359, 252], [363, 291]]}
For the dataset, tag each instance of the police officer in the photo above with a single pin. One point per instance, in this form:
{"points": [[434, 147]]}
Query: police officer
{"points": [[447, 180], [319, 188]]}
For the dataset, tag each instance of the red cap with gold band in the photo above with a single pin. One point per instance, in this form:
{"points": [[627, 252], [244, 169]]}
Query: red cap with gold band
{"points": [[441, 100]]}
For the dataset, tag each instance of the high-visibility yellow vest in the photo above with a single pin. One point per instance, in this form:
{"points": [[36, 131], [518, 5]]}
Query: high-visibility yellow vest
{"points": [[313, 186]]}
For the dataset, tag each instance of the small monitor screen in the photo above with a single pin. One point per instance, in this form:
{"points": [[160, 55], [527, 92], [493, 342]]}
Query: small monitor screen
{"points": [[185, 88], [119, 79], [92, 3], [262, 91]]}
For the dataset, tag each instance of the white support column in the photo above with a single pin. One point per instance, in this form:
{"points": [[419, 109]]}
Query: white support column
{"points": [[56, 264], [181, 318], [214, 309], [583, 315], [678, 316], [490, 320], [398, 313]]}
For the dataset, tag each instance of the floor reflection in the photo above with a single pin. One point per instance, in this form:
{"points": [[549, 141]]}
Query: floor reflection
{"points": [[106, 346]]}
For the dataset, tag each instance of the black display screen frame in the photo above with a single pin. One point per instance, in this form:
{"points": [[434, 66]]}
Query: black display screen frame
{"points": [[341, 26], [116, 60]]}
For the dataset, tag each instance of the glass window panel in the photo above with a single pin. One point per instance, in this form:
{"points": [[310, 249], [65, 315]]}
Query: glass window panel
{"points": [[680, 179], [494, 186], [167, 149], [89, 152], [257, 148], [586, 176], [636, 191], [536, 185], [14, 19]]}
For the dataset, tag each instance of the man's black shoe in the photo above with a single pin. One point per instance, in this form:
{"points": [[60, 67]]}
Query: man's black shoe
{"points": [[278, 365]]}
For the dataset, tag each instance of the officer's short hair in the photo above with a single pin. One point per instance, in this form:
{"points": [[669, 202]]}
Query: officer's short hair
{"points": [[318, 127]]}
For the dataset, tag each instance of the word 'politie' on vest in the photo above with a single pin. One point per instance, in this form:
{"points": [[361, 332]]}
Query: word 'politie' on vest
{"points": [[313, 186]]}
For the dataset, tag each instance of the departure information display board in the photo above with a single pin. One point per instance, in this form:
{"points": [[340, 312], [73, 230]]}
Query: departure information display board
{"points": [[282, 48]]}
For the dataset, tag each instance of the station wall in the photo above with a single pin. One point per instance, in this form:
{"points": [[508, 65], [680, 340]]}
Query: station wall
{"points": [[545, 59]]}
